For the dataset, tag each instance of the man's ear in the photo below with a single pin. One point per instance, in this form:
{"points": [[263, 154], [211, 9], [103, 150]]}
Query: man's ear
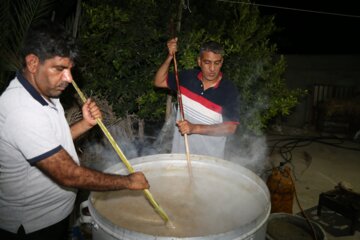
{"points": [[199, 61], [32, 62]]}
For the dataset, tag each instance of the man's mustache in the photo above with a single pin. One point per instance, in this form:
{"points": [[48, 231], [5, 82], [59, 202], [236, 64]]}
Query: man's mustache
{"points": [[63, 84]]}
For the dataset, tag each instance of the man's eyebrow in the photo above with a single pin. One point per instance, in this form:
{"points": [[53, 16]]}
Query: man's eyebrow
{"points": [[62, 66], [207, 60]]}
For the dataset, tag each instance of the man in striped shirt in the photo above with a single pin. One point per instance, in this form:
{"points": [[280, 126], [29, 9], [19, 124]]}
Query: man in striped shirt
{"points": [[210, 101]]}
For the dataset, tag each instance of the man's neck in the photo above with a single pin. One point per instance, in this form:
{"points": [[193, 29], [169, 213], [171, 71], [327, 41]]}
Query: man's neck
{"points": [[208, 84]]}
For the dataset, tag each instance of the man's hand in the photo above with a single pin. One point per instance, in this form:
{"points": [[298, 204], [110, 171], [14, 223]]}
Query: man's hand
{"points": [[185, 127], [91, 112], [137, 181], [172, 46]]}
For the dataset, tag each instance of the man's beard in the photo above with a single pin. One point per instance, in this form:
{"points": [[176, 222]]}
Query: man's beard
{"points": [[57, 93]]}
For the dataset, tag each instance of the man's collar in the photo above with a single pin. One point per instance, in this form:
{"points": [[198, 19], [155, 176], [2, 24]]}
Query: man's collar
{"points": [[200, 76], [35, 94]]}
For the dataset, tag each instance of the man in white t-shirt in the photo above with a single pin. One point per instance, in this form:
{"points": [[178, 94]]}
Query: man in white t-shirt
{"points": [[39, 167]]}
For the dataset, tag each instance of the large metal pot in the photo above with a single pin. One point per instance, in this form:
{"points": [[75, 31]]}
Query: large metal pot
{"points": [[222, 200]]}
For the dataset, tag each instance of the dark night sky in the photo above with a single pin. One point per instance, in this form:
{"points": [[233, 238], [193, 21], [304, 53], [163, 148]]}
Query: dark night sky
{"points": [[304, 31], [304, 27]]}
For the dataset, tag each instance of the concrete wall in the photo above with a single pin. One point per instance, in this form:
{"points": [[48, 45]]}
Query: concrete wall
{"points": [[306, 71]]}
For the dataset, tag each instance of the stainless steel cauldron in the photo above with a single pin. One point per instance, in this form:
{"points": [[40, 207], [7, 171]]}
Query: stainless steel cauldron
{"points": [[222, 200]]}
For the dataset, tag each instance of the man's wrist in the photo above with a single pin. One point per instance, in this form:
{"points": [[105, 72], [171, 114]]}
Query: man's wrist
{"points": [[87, 125]]}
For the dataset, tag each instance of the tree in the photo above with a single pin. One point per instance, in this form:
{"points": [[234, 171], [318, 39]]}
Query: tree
{"points": [[119, 58], [123, 44], [15, 19]]}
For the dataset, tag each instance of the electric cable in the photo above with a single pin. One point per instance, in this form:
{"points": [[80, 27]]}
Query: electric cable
{"points": [[314, 235], [285, 146], [293, 9]]}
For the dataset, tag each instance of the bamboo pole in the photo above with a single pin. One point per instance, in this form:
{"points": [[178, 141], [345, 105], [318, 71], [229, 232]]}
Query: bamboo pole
{"points": [[147, 193]]}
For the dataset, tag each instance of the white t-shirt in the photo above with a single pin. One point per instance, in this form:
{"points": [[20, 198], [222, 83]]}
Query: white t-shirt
{"points": [[31, 129]]}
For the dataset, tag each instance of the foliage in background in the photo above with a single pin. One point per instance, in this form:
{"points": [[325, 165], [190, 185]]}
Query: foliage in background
{"points": [[15, 19], [121, 48], [123, 44]]}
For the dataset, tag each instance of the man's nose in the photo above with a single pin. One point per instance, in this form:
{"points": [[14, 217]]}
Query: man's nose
{"points": [[67, 76]]}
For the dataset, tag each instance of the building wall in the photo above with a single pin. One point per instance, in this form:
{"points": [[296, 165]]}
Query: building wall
{"points": [[307, 71]]}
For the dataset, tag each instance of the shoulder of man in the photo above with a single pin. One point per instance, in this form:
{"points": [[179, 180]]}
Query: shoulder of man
{"points": [[227, 83]]}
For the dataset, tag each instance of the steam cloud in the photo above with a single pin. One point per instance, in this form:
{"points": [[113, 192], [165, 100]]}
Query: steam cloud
{"points": [[245, 149]]}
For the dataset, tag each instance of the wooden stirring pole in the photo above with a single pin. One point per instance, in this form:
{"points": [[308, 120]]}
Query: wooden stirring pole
{"points": [[181, 108], [148, 195]]}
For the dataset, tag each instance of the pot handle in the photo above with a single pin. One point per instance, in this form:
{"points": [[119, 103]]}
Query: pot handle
{"points": [[83, 217]]}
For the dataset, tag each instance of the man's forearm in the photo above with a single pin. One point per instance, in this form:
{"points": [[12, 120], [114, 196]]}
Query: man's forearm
{"points": [[162, 73], [222, 129], [79, 128], [63, 170]]}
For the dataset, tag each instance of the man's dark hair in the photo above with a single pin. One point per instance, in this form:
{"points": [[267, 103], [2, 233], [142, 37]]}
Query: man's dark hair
{"points": [[47, 41], [212, 46]]}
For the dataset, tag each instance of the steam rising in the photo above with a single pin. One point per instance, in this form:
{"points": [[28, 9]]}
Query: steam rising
{"points": [[99, 154], [249, 151], [245, 149]]}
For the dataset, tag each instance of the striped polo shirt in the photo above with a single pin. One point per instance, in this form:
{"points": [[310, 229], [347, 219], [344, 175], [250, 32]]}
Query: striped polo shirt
{"points": [[217, 104]]}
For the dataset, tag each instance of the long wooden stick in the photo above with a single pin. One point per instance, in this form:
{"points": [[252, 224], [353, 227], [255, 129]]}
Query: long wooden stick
{"points": [[147, 193], [181, 109]]}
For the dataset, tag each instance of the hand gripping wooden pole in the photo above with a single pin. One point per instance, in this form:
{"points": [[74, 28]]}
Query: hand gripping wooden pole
{"points": [[147, 193]]}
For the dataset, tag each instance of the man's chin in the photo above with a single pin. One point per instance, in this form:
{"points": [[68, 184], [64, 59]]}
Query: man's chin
{"points": [[56, 94], [211, 79]]}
